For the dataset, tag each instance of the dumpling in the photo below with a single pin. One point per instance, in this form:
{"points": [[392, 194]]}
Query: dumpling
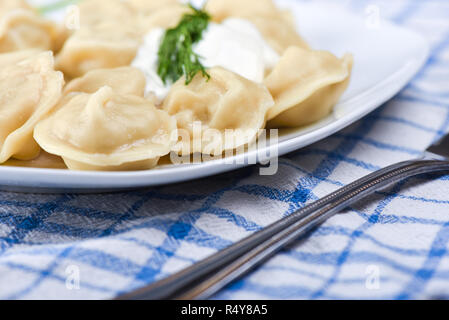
{"points": [[142, 15], [11, 58], [278, 33], [106, 131], [9, 5], [24, 29], [306, 85], [95, 12], [222, 9], [225, 102], [21, 28], [165, 17], [103, 46], [150, 6], [277, 27], [124, 80], [29, 89], [43, 161]]}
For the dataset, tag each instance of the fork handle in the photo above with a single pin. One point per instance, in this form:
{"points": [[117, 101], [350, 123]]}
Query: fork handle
{"points": [[205, 278]]}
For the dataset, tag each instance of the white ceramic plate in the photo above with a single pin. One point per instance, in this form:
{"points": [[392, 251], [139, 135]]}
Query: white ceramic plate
{"points": [[386, 59]]}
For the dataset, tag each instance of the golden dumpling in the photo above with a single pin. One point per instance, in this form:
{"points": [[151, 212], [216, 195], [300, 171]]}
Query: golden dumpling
{"points": [[222, 9], [278, 33], [141, 15], [165, 17], [98, 47], [24, 29], [124, 80], [44, 160], [225, 102], [8, 5], [150, 6], [306, 85], [95, 12], [106, 131], [29, 89], [277, 26], [18, 56]]}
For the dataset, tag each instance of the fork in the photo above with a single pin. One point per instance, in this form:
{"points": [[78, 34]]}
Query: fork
{"points": [[206, 278]]}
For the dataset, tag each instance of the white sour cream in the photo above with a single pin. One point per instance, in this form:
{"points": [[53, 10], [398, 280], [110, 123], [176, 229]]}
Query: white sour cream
{"points": [[235, 44]]}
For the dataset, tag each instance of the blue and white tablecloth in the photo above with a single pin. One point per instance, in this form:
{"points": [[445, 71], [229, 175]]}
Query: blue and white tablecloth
{"points": [[393, 245]]}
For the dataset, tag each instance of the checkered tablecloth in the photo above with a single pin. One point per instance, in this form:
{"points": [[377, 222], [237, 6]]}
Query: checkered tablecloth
{"points": [[393, 245]]}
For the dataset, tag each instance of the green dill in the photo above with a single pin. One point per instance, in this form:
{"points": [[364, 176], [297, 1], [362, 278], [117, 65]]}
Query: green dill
{"points": [[176, 57]]}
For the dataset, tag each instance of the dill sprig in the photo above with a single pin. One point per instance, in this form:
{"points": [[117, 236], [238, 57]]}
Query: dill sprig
{"points": [[176, 56]]}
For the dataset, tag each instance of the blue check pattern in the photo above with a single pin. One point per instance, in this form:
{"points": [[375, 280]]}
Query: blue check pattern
{"points": [[393, 245]]}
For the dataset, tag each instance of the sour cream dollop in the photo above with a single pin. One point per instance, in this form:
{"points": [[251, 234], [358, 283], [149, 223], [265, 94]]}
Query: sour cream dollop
{"points": [[235, 44]]}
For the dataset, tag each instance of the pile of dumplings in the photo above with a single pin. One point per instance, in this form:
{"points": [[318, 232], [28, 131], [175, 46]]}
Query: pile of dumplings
{"points": [[74, 95]]}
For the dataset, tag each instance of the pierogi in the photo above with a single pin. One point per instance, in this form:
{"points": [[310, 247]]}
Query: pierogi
{"points": [[305, 86], [10, 5], [227, 110], [150, 6], [222, 9], [22, 28], [100, 46], [124, 80], [107, 131], [111, 11], [167, 16], [277, 26]]}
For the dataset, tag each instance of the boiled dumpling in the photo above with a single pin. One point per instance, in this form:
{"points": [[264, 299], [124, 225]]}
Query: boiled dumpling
{"points": [[44, 160], [95, 12], [9, 5], [124, 80], [29, 89], [306, 85], [150, 6], [277, 26], [222, 9], [107, 45], [278, 33], [226, 101], [24, 29], [106, 131], [142, 15], [165, 17], [18, 56]]}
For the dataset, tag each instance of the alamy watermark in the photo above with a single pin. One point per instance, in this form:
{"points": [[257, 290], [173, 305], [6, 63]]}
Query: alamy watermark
{"points": [[72, 18]]}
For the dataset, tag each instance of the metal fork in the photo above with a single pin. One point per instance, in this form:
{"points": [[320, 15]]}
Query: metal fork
{"points": [[206, 278]]}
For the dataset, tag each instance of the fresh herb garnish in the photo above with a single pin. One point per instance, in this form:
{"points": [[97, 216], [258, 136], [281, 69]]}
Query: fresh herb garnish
{"points": [[176, 56]]}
